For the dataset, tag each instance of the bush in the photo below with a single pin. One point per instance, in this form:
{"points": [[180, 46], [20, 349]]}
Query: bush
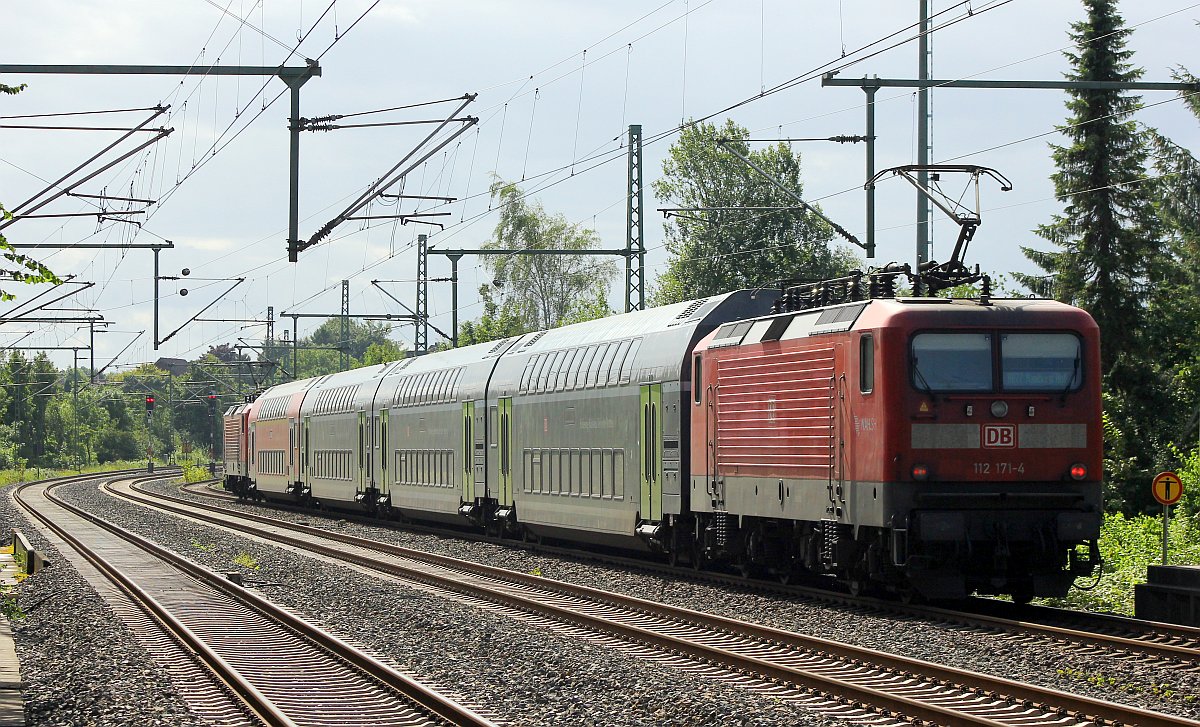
{"points": [[195, 473], [1129, 545]]}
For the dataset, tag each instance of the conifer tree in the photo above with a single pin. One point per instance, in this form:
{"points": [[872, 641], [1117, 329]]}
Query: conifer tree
{"points": [[1108, 231]]}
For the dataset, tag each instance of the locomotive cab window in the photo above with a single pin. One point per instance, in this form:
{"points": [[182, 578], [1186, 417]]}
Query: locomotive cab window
{"points": [[1040, 362], [866, 364], [952, 361]]}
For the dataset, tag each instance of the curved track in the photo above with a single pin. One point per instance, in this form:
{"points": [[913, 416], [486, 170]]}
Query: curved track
{"points": [[310, 678], [788, 665]]}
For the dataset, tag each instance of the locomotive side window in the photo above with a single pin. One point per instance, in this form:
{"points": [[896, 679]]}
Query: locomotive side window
{"points": [[866, 365], [1040, 362], [952, 361]]}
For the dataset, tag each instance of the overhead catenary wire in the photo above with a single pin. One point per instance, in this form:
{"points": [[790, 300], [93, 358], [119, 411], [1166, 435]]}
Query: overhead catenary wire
{"points": [[536, 176]]}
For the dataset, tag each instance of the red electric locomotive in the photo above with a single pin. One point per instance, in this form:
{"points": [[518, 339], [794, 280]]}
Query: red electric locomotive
{"points": [[930, 446]]}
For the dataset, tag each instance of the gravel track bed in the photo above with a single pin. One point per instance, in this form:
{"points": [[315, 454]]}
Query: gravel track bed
{"points": [[528, 676], [1164, 687], [81, 665]]}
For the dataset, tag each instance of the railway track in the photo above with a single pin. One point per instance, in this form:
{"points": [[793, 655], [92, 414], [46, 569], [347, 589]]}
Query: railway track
{"points": [[831, 676], [1128, 637], [260, 664]]}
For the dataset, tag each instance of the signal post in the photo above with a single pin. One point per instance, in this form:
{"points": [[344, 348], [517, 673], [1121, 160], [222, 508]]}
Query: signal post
{"points": [[1167, 488]]}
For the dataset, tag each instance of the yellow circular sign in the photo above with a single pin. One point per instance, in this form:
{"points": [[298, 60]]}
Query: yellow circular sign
{"points": [[1167, 488]]}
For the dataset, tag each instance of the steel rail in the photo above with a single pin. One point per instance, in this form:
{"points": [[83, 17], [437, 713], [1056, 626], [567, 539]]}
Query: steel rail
{"points": [[433, 702], [254, 700], [1016, 691], [1139, 646]]}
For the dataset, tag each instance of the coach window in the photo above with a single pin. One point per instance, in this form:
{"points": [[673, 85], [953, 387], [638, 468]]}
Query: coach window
{"points": [[596, 365], [556, 376], [524, 386], [627, 365], [866, 364], [614, 371], [585, 362]]}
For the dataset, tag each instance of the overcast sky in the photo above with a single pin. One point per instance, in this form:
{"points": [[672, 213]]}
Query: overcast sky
{"points": [[550, 114]]}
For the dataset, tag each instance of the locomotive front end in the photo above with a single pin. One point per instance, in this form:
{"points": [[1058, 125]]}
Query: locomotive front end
{"points": [[1000, 476]]}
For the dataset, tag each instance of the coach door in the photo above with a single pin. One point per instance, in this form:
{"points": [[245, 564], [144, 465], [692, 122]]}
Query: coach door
{"points": [[505, 455], [362, 450], [650, 437], [383, 452], [305, 450], [291, 458], [468, 452]]}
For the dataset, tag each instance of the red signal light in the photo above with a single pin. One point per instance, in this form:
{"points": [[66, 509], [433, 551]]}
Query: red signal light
{"points": [[1078, 472], [920, 472]]}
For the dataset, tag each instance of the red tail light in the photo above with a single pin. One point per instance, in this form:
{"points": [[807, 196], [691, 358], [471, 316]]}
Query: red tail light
{"points": [[920, 472], [1078, 472]]}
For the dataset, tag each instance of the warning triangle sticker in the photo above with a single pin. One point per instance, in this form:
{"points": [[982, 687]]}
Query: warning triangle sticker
{"points": [[924, 406]]}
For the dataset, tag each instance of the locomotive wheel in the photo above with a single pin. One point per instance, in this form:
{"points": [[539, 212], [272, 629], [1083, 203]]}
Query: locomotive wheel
{"points": [[857, 586], [1022, 595]]}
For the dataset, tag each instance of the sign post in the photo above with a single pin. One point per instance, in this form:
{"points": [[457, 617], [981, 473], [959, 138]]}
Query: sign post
{"points": [[1167, 488]]}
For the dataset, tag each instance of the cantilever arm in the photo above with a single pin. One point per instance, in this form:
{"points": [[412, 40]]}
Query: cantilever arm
{"points": [[216, 300]]}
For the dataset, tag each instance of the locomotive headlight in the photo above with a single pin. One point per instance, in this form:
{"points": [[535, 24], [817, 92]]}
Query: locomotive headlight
{"points": [[1078, 471], [999, 409], [920, 472]]}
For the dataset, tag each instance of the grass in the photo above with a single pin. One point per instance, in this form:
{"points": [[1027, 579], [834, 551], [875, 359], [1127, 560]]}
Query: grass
{"points": [[27, 474], [246, 561]]}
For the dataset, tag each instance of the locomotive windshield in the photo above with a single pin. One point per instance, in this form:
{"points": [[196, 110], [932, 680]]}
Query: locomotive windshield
{"points": [[950, 362], [1040, 362]]}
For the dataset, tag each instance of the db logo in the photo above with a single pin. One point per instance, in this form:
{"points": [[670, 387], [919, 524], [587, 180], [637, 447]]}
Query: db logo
{"points": [[999, 436]]}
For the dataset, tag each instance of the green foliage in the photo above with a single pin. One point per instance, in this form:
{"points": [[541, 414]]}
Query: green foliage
{"points": [[1129, 545], [1126, 251], [1109, 230], [588, 308], [246, 561], [1002, 287], [9, 608], [382, 352], [728, 247], [499, 320], [195, 473], [368, 343], [25, 269], [540, 291]]}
